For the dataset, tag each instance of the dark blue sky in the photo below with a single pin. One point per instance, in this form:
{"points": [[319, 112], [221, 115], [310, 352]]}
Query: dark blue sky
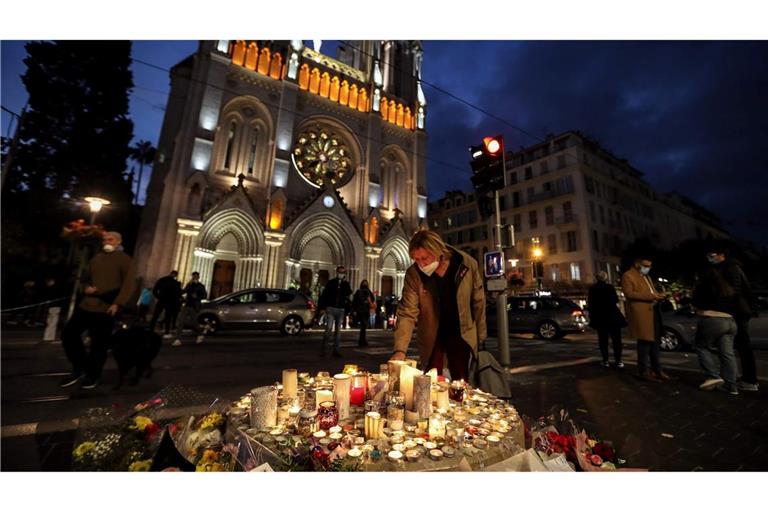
{"points": [[693, 116]]}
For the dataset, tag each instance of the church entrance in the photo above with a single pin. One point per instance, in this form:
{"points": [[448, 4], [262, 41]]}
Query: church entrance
{"points": [[386, 286], [223, 278]]}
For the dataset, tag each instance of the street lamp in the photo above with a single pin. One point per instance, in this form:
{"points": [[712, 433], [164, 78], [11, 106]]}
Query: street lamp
{"points": [[537, 254], [95, 204]]}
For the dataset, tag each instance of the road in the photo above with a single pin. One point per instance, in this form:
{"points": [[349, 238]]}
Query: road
{"points": [[658, 426]]}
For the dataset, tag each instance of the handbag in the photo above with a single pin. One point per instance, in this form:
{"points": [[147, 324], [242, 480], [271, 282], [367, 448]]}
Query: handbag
{"points": [[486, 373]]}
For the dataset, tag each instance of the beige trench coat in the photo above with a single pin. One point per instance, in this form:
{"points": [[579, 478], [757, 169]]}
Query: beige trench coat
{"points": [[638, 289], [417, 309]]}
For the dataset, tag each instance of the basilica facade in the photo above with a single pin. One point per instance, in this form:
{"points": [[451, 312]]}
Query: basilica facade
{"points": [[276, 163]]}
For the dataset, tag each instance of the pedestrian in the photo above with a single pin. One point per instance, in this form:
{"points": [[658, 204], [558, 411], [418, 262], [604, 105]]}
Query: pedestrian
{"points": [[644, 318], [390, 310], [606, 318], [443, 299], [167, 291], [745, 308], [363, 303], [144, 303], [372, 312], [194, 294], [333, 302], [107, 287]]}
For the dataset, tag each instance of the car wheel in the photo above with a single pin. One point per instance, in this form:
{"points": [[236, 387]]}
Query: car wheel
{"points": [[670, 340], [292, 326], [209, 324], [548, 330]]}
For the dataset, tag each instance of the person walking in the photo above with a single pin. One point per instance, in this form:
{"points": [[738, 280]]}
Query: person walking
{"points": [[107, 287], [644, 318], [333, 302], [144, 303], [443, 299], [715, 301], [194, 294], [744, 310], [167, 291], [364, 304], [606, 318]]}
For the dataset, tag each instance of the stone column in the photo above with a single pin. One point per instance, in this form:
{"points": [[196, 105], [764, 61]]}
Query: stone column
{"points": [[186, 233], [371, 266], [399, 283], [271, 272], [203, 262], [246, 273]]}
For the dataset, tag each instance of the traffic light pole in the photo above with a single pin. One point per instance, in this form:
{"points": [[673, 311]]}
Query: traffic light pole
{"points": [[502, 325]]}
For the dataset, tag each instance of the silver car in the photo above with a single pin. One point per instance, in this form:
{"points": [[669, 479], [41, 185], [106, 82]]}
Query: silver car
{"points": [[548, 317], [259, 308]]}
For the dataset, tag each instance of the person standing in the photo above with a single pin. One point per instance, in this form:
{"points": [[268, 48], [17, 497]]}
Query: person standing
{"points": [[364, 304], [194, 294], [144, 303], [644, 318], [743, 310], [606, 318], [107, 287], [167, 291], [443, 299], [333, 301]]}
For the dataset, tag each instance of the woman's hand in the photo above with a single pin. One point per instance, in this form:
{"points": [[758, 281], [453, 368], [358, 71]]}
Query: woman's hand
{"points": [[398, 356]]}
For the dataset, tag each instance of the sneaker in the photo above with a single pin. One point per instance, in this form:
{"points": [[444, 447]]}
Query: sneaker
{"points": [[710, 384], [69, 380], [90, 383], [619, 365], [199, 339], [176, 343], [605, 364], [731, 389], [167, 336], [746, 386]]}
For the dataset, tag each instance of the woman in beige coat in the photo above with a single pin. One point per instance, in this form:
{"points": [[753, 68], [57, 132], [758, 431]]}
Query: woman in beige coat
{"points": [[443, 298], [643, 319]]}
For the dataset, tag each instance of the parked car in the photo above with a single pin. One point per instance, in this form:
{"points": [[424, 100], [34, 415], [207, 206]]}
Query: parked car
{"points": [[259, 308], [679, 329], [548, 318]]}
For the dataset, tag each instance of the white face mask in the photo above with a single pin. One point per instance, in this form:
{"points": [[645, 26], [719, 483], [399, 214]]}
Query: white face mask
{"points": [[108, 247], [342, 276], [645, 270], [430, 269]]}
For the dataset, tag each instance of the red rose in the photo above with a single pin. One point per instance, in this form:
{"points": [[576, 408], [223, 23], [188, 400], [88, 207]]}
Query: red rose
{"points": [[605, 452], [596, 460]]}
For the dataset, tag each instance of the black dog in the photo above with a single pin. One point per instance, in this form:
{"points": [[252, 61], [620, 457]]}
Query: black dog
{"points": [[134, 347]]}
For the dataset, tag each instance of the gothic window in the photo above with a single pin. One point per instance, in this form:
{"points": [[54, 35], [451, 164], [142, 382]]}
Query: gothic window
{"points": [[230, 145], [320, 156], [252, 152], [194, 200]]}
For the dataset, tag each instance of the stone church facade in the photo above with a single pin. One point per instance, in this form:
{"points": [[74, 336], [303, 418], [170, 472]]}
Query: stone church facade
{"points": [[277, 163]]}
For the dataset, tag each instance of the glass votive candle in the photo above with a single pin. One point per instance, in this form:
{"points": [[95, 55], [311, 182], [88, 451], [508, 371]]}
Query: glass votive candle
{"points": [[373, 425], [437, 426], [457, 390], [327, 415], [307, 423], [377, 386], [396, 412], [358, 389]]}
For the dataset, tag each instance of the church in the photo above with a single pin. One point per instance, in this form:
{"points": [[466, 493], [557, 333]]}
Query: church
{"points": [[276, 163]]}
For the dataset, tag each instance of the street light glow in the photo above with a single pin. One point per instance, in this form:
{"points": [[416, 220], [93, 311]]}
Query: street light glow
{"points": [[537, 252], [96, 203], [493, 145]]}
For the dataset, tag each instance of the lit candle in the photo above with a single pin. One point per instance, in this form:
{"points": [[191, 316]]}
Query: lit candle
{"points": [[422, 399], [357, 389], [354, 453], [442, 401], [413, 455], [435, 454], [395, 456], [335, 429], [290, 383], [377, 386], [341, 383], [393, 371], [407, 374], [448, 451], [436, 427], [319, 434], [372, 425], [396, 413], [263, 412], [323, 395]]}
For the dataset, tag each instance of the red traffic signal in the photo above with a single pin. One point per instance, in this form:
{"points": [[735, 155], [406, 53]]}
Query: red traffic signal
{"points": [[494, 145]]}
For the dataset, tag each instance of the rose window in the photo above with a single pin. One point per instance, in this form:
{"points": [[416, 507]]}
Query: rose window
{"points": [[321, 158]]}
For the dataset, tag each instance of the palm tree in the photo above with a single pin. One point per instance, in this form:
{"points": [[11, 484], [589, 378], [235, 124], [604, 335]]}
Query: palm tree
{"points": [[143, 152]]}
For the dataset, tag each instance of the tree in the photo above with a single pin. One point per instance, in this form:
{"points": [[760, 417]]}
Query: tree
{"points": [[143, 153]]}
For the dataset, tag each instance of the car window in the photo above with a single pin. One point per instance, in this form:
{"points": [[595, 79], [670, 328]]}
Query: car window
{"points": [[514, 304], [533, 305], [551, 304], [248, 298], [287, 297], [271, 297]]}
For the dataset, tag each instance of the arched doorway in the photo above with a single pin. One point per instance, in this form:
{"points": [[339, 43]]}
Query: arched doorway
{"points": [[223, 279]]}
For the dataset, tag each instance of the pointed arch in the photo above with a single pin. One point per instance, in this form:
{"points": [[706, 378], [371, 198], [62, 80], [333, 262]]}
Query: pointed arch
{"points": [[304, 77], [238, 53], [333, 94], [264, 61], [332, 230], [252, 56], [314, 80], [275, 68], [245, 229], [397, 248]]}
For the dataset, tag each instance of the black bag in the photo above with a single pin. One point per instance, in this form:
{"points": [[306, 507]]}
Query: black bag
{"points": [[486, 373]]}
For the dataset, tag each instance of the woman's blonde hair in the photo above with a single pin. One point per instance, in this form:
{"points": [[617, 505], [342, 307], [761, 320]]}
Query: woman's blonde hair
{"points": [[430, 242]]}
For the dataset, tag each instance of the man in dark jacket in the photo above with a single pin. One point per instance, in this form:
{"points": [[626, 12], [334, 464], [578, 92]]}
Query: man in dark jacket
{"points": [[107, 288], [334, 301], [606, 318], [194, 292], [743, 310], [167, 291]]}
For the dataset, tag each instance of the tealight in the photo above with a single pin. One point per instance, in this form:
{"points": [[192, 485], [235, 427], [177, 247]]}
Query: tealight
{"points": [[480, 444], [335, 429], [276, 432], [319, 434], [413, 455], [448, 451], [435, 454], [336, 436], [359, 440], [354, 453], [429, 445], [325, 441], [400, 447], [419, 440], [395, 456], [493, 440], [410, 444], [497, 434]]}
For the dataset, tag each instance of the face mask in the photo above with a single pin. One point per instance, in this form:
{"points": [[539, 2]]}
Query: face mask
{"points": [[342, 276], [645, 270], [108, 247], [430, 269], [712, 259]]}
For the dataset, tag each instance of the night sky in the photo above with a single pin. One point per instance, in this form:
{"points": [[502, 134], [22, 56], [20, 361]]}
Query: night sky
{"points": [[693, 116]]}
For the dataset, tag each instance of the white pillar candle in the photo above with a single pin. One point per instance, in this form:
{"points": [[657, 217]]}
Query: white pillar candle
{"points": [[443, 401], [422, 395], [341, 386], [411, 362], [290, 383], [372, 425], [393, 370], [323, 395], [407, 373]]}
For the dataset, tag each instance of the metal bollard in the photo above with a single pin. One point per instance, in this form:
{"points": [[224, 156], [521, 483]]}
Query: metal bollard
{"points": [[51, 323]]}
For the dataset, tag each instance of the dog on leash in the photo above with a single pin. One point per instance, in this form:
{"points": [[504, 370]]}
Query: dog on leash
{"points": [[134, 348]]}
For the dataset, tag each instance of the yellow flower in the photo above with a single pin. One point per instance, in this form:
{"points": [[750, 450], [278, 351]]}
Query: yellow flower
{"points": [[209, 467], [209, 456], [213, 420], [140, 465], [141, 422], [591, 443], [83, 448]]}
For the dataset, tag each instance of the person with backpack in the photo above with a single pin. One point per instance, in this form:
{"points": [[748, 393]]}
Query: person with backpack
{"points": [[363, 304]]}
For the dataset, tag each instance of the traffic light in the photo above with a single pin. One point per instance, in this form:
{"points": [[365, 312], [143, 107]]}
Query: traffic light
{"points": [[488, 172]]}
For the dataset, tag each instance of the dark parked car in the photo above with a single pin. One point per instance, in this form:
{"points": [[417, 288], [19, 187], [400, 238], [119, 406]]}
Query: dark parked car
{"points": [[547, 317], [259, 308]]}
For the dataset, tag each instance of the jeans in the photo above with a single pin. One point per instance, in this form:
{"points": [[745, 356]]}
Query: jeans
{"points": [[372, 320], [714, 341], [188, 316], [333, 317], [646, 349], [614, 333], [99, 327], [743, 345]]}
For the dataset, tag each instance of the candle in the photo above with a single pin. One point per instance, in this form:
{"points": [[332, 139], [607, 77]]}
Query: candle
{"points": [[413, 455], [350, 369], [456, 392], [411, 417], [358, 388], [282, 413], [335, 429], [493, 440], [336, 436], [422, 399], [399, 447], [372, 425], [409, 444], [263, 412], [354, 453], [377, 386], [393, 370], [411, 363], [395, 456], [290, 383], [436, 427], [407, 374], [442, 401], [429, 445], [480, 443], [319, 434], [448, 451], [435, 454], [323, 395], [341, 382], [396, 413], [384, 368]]}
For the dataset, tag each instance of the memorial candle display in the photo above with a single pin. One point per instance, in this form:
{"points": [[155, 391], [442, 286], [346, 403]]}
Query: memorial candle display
{"points": [[358, 388], [393, 370], [436, 427], [396, 413], [373, 425], [263, 412], [323, 395], [407, 373], [377, 387], [290, 383], [442, 401], [341, 389], [422, 395]]}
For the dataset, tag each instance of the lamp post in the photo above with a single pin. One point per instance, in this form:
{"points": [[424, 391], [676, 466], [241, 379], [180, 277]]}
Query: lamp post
{"points": [[536, 253], [95, 204]]}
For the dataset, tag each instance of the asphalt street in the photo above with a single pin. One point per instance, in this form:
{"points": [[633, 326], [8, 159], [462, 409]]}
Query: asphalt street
{"points": [[671, 426]]}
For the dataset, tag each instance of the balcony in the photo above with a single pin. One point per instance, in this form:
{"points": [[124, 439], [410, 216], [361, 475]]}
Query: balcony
{"points": [[567, 220]]}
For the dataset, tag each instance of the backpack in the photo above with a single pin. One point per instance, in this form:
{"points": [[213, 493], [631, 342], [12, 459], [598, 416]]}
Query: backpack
{"points": [[486, 373]]}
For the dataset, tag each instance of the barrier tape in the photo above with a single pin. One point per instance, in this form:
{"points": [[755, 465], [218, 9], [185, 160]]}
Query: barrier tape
{"points": [[32, 305]]}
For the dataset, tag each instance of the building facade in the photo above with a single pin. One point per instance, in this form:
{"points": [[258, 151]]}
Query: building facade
{"points": [[277, 163], [581, 206]]}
